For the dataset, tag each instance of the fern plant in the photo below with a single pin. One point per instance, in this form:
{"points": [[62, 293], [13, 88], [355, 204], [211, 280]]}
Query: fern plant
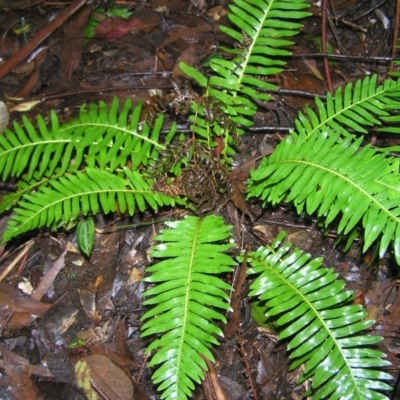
{"points": [[101, 161]]}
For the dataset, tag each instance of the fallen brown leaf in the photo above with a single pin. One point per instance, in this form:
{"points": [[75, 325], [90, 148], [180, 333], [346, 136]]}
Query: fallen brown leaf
{"points": [[17, 310], [99, 376]]}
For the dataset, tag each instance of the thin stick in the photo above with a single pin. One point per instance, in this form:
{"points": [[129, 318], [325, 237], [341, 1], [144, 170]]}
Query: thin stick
{"points": [[49, 278], [15, 261], [40, 36], [395, 34], [324, 6]]}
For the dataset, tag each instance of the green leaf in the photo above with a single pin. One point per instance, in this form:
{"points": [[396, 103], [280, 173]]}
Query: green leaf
{"points": [[310, 309], [85, 234], [194, 74], [260, 52], [66, 197], [186, 294]]}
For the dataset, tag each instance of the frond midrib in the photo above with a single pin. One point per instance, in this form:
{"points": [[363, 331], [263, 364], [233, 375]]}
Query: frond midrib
{"points": [[352, 183], [112, 127], [80, 194], [249, 51], [318, 316], [70, 140], [187, 299], [36, 143]]}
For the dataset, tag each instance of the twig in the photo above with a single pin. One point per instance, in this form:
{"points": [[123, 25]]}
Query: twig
{"points": [[345, 56], [16, 260], [246, 365], [40, 36], [142, 368], [49, 278], [217, 392], [395, 34], [323, 45], [370, 10]]}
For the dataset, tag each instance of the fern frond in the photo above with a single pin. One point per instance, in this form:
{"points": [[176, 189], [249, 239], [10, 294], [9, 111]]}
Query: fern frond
{"points": [[99, 137], [111, 139], [88, 191], [260, 52], [311, 310], [356, 107], [336, 179], [393, 105], [263, 24], [184, 297], [25, 185]]}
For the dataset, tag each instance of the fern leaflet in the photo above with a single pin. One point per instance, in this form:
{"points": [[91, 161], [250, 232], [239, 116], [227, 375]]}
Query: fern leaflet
{"points": [[355, 107], [99, 137]]}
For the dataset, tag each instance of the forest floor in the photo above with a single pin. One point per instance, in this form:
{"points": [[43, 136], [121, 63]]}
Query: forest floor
{"points": [[93, 306]]}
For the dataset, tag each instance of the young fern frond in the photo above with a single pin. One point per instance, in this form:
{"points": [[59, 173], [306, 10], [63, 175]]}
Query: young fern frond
{"points": [[260, 51], [184, 299], [310, 309], [335, 179], [89, 191]]}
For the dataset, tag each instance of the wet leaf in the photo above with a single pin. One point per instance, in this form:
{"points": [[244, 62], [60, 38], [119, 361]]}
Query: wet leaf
{"points": [[60, 366], [18, 372], [71, 51], [99, 14], [114, 27], [85, 232], [98, 374], [23, 310]]}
